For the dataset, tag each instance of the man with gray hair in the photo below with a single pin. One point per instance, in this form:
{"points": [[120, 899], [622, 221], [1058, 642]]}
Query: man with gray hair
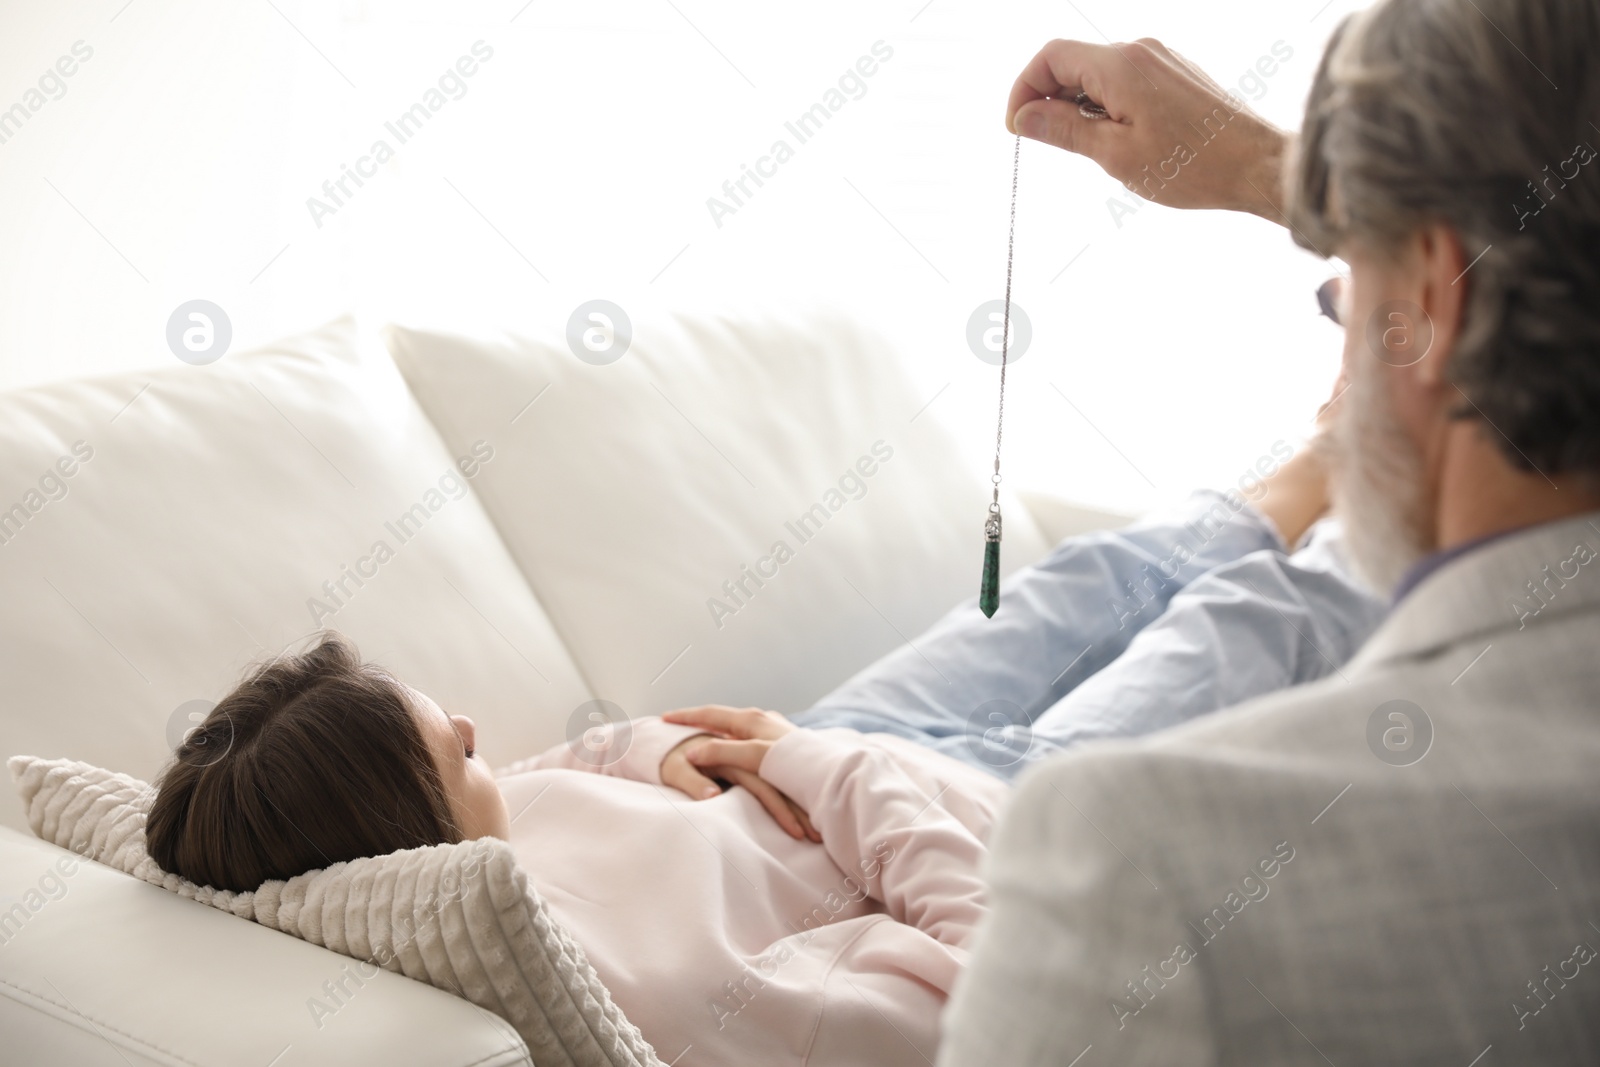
{"points": [[1400, 862]]}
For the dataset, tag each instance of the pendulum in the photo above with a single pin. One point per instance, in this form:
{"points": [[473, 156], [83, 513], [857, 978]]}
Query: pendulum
{"points": [[989, 587]]}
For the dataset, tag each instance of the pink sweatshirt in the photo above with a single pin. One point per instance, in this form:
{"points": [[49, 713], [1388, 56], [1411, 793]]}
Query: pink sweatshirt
{"points": [[729, 942]]}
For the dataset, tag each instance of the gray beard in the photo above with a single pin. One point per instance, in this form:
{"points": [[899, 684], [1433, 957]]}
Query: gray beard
{"points": [[1377, 484]]}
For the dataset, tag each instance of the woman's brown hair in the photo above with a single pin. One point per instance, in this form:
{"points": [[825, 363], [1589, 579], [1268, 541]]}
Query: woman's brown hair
{"points": [[316, 758]]}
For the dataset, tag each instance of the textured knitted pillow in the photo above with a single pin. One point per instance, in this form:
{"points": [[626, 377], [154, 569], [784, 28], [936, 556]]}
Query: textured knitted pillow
{"points": [[460, 917]]}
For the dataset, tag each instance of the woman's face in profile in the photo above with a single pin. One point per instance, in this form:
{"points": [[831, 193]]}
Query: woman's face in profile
{"points": [[475, 800]]}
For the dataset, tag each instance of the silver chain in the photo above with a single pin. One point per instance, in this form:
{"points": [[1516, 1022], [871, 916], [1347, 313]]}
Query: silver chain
{"points": [[1005, 335]]}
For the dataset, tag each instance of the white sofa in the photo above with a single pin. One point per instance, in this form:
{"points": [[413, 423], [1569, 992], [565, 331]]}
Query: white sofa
{"points": [[159, 531]]}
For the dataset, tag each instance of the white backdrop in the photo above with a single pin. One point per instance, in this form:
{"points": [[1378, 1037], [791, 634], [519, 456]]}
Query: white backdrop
{"points": [[1169, 349]]}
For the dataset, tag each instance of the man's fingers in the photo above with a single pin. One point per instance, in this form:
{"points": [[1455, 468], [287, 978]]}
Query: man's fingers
{"points": [[720, 753], [1062, 68], [1059, 66], [1060, 123], [775, 802]]}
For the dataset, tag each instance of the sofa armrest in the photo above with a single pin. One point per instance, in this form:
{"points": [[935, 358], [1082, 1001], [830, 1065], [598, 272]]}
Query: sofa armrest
{"points": [[1060, 518], [98, 968]]}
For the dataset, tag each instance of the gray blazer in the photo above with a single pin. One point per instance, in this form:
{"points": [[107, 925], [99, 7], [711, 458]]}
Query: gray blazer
{"points": [[1397, 864]]}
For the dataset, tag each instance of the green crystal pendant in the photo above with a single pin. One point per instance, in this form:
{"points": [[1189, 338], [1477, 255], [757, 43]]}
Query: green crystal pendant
{"points": [[989, 588]]}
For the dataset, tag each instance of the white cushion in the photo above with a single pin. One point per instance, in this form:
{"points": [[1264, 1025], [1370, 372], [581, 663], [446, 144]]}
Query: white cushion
{"points": [[629, 493], [1059, 518], [461, 917], [206, 506]]}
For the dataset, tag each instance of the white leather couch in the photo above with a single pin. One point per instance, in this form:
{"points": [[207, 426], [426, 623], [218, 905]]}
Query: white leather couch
{"points": [[161, 530]]}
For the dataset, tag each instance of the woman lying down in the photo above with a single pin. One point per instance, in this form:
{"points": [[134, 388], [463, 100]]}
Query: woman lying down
{"points": [[755, 892]]}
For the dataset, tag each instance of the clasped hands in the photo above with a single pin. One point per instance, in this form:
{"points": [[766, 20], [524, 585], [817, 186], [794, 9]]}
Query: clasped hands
{"points": [[736, 741]]}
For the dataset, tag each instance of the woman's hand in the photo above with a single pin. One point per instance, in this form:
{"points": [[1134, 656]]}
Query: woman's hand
{"points": [[748, 734], [1172, 134], [694, 763], [744, 723]]}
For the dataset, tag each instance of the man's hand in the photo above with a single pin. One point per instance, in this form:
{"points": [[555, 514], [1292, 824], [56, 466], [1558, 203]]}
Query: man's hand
{"points": [[693, 765], [1172, 134]]}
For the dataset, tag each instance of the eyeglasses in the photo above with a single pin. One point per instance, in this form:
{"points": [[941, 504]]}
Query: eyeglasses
{"points": [[1330, 299]]}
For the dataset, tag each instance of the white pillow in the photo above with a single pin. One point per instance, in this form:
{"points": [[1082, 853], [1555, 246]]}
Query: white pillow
{"points": [[630, 492], [460, 917], [204, 510]]}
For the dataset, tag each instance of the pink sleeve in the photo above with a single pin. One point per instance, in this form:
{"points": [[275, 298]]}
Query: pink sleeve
{"points": [[635, 751], [881, 822]]}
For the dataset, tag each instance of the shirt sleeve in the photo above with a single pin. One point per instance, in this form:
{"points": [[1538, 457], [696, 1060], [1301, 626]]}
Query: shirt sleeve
{"points": [[882, 823], [1251, 627], [632, 749]]}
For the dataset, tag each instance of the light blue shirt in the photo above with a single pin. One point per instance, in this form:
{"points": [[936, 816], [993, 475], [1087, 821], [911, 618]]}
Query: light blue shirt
{"points": [[1118, 634]]}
